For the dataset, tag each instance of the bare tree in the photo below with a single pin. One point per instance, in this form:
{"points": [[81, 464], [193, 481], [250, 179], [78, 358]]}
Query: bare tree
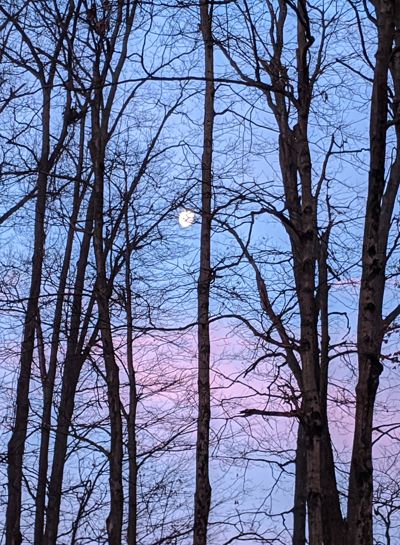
{"points": [[117, 306], [372, 325], [45, 72]]}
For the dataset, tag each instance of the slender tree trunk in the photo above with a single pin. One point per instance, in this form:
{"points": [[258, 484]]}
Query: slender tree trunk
{"points": [[132, 446], [295, 164], [202, 500], [305, 257], [322, 496], [97, 150], [49, 379], [72, 368], [333, 524], [16, 445], [370, 325], [300, 491]]}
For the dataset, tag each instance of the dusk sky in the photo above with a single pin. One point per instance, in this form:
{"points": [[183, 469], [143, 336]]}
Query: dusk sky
{"points": [[199, 260]]}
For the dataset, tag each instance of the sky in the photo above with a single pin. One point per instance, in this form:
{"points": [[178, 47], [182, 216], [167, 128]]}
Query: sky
{"points": [[247, 453]]}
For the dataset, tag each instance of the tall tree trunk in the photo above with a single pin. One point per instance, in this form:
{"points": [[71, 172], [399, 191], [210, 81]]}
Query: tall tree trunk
{"points": [[322, 495], [332, 519], [305, 256], [370, 324], [97, 151], [72, 368], [132, 445], [202, 499], [16, 445], [300, 492], [49, 379]]}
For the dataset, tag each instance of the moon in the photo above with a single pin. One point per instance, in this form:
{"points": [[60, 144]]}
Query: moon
{"points": [[186, 218]]}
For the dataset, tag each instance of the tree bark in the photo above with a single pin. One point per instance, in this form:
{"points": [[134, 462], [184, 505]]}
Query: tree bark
{"points": [[332, 519], [97, 150], [16, 445], [370, 326], [133, 400], [300, 492], [49, 379], [202, 500], [74, 360]]}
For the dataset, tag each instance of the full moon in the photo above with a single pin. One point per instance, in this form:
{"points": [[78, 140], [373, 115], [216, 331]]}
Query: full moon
{"points": [[186, 218]]}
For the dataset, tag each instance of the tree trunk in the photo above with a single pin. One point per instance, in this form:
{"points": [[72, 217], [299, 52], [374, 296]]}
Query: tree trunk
{"points": [[16, 445], [132, 445], [300, 490], [72, 368], [97, 150], [370, 327], [202, 498], [48, 382], [332, 519]]}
